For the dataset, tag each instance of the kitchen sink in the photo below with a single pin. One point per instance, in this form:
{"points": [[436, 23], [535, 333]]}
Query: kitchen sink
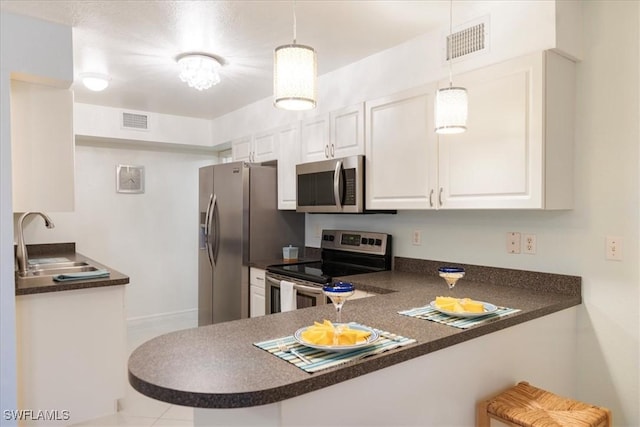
{"points": [[53, 269], [50, 265], [61, 270]]}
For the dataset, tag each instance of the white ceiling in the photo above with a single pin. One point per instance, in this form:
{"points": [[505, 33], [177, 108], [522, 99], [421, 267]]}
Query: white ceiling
{"points": [[136, 42]]}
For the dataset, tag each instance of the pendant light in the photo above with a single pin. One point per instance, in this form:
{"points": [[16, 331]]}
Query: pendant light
{"points": [[451, 102], [294, 75]]}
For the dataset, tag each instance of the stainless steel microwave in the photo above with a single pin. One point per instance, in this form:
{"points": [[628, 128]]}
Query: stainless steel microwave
{"points": [[331, 186]]}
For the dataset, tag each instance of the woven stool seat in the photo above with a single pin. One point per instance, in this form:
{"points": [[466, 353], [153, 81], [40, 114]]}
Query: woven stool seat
{"points": [[528, 406]]}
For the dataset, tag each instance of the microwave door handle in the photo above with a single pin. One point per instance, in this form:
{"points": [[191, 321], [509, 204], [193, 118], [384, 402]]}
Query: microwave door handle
{"points": [[336, 184]]}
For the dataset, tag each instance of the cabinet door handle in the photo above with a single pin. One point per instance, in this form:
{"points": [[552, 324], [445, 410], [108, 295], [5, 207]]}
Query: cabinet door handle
{"points": [[431, 198], [326, 151], [333, 151], [440, 196]]}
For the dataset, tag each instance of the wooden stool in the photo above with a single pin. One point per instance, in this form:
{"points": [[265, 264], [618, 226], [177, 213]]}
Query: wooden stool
{"points": [[527, 406]]}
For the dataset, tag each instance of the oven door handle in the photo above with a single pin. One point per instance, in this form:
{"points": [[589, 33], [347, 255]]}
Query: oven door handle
{"points": [[298, 286]]}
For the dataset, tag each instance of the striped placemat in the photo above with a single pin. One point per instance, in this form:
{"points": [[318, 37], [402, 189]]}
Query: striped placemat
{"points": [[429, 313], [322, 359]]}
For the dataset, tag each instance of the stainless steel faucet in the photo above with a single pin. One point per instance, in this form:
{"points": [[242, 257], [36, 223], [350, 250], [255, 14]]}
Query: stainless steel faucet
{"points": [[21, 252]]}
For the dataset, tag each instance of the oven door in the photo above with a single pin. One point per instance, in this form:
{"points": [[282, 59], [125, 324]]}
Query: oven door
{"points": [[327, 186], [308, 294]]}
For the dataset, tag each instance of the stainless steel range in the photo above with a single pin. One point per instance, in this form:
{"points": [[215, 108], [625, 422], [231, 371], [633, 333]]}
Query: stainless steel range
{"points": [[343, 253]]}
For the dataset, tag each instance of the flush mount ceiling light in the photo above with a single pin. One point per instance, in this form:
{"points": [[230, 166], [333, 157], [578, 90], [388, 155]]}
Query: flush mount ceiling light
{"points": [[95, 81], [295, 71], [451, 102], [199, 70]]}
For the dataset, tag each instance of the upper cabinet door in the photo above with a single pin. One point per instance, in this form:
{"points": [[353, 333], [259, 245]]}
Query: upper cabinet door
{"points": [[347, 131], [315, 138], [242, 149], [289, 142], [500, 161], [42, 148], [400, 147], [265, 146]]}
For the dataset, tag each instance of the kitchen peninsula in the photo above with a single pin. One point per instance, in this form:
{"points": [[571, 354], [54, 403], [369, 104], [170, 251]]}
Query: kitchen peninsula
{"points": [[435, 381]]}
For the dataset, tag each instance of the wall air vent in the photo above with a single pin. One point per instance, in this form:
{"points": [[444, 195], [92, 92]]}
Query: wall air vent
{"points": [[472, 39], [135, 121]]}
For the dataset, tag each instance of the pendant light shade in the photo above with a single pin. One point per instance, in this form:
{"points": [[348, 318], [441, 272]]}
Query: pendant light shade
{"points": [[294, 77], [451, 102], [451, 110]]}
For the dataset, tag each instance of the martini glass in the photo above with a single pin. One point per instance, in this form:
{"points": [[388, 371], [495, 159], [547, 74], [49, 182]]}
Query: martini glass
{"points": [[338, 292], [451, 275]]}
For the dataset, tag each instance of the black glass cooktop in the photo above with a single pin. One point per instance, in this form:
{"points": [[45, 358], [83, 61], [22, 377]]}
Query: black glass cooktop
{"points": [[318, 271]]}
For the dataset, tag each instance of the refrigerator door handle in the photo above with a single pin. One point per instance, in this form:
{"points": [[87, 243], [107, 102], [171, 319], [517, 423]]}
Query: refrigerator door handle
{"points": [[336, 184], [207, 229], [216, 228]]}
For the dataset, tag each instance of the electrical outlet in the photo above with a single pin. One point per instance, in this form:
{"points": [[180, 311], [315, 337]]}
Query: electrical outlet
{"points": [[529, 244], [318, 230], [416, 237], [614, 248], [513, 242]]}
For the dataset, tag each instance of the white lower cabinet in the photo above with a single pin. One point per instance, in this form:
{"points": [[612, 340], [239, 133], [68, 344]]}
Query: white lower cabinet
{"points": [[71, 349], [400, 147], [257, 299], [517, 152]]}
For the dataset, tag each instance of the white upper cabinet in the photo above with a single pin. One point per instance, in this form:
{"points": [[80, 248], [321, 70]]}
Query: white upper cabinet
{"points": [[42, 148], [401, 151], [262, 147], [334, 135], [242, 149], [289, 142], [517, 152], [315, 134], [347, 131]]}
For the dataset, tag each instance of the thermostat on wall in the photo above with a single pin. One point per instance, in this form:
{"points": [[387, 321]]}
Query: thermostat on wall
{"points": [[130, 179]]}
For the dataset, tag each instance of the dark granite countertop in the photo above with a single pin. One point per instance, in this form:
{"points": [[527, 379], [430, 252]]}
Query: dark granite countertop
{"points": [[218, 366], [44, 284]]}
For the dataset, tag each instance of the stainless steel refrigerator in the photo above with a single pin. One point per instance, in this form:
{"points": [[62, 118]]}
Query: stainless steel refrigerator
{"points": [[239, 223]]}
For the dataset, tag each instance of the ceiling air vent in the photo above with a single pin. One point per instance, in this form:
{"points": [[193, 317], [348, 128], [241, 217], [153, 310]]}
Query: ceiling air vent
{"points": [[470, 40], [135, 121]]}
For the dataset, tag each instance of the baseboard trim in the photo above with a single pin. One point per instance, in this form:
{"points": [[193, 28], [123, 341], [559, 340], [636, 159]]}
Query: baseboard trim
{"points": [[187, 318]]}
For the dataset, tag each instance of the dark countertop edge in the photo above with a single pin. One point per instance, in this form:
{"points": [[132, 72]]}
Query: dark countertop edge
{"points": [[339, 373], [67, 250]]}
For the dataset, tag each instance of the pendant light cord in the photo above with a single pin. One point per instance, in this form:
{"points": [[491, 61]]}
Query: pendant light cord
{"points": [[449, 42], [294, 21]]}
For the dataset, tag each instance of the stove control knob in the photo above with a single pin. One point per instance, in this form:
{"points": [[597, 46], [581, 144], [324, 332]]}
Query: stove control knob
{"points": [[378, 242]]}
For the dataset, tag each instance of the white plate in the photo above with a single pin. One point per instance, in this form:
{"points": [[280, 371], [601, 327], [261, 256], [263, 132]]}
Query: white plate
{"points": [[488, 309], [370, 339]]}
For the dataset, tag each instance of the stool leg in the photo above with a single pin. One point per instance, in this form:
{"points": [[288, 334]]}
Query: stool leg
{"points": [[482, 416]]}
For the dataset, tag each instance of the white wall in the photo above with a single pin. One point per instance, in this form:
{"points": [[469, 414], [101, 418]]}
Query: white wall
{"points": [[40, 52], [570, 242], [151, 237]]}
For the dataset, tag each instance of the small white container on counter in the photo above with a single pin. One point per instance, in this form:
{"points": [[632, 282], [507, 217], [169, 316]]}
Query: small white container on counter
{"points": [[290, 253]]}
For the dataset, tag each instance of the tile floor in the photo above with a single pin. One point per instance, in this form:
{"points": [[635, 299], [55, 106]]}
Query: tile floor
{"points": [[137, 410]]}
